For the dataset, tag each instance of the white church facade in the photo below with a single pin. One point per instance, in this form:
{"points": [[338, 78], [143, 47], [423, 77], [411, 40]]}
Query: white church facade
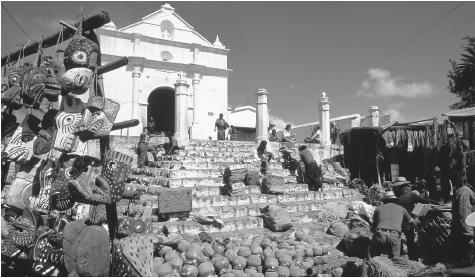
{"points": [[174, 75]]}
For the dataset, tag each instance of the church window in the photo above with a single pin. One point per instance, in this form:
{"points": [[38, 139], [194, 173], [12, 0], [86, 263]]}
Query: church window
{"points": [[166, 56], [167, 29]]}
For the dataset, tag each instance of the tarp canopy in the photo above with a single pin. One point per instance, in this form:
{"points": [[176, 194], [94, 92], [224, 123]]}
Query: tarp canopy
{"points": [[466, 112]]}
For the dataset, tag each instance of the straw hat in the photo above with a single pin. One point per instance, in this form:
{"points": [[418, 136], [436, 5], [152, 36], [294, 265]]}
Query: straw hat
{"points": [[470, 220], [389, 195], [400, 181]]}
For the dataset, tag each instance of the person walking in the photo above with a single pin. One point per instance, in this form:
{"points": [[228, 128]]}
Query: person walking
{"points": [[221, 125], [312, 170], [333, 132], [462, 235], [387, 225]]}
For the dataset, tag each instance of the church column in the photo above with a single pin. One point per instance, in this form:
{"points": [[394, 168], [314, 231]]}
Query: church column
{"points": [[374, 114], [196, 129], [324, 110], [181, 106], [262, 116], [136, 67]]}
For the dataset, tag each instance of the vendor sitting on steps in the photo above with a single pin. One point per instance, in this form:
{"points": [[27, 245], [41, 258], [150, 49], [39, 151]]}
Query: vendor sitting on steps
{"points": [[265, 156], [171, 148]]}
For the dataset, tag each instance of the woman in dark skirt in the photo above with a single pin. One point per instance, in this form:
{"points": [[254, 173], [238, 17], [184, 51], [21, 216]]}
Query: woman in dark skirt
{"points": [[312, 170]]}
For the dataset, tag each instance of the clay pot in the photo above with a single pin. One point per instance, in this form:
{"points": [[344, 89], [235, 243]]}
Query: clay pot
{"points": [[285, 260], [176, 263], [189, 271], [220, 264], [271, 264], [219, 248], [170, 255], [256, 249], [183, 245], [239, 273], [299, 253], [299, 235], [308, 252], [318, 261], [207, 250], [337, 272], [205, 269], [162, 269], [296, 271], [325, 260], [283, 271], [265, 243], [244, 251], [254, 261], [164, 250], [192, 255], [271, 274], [250, 271], [317, 251], [239, 262], [308, 263], [324, 250]]}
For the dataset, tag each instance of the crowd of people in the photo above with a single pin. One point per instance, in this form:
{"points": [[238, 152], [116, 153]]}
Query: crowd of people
{"points": [[396, 218]]}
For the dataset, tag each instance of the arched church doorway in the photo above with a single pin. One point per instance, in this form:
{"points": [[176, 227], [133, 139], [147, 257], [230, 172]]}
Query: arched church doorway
{"points": [[161, 108]]}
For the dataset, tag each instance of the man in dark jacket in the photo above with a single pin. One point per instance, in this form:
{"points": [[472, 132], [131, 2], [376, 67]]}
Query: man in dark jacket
{"points": [[408, 200], [312, 170], [221, 125]]}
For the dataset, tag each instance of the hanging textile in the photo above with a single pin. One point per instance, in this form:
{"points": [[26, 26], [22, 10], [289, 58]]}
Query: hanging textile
{"points": [[410, 141]]}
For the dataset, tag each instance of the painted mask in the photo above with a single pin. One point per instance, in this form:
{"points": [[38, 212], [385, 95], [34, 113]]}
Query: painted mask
{"points": [[98, 118], [20, 146], [65, 140], [5, 85], [41, 201], [77, 80], [78, 179], [81, 53], [41, 82], [48, 258], [11, 97], [16, 74], [116, 168], [44, 141]]}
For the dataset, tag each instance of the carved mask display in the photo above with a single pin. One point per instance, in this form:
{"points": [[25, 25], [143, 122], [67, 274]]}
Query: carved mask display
{"points": [[16, 74], [48, 258], [98, 118], [41, 201], [20, 146], [78, 179], [81, 53], [77, 80], [65, 140], [116, 168], [41, 82]]}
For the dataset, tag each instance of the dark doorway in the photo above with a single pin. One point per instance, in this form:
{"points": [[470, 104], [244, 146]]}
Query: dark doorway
{"points": [[161, 107]]}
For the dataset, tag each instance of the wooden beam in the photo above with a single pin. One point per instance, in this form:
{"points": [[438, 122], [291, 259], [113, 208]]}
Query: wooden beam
{"points": [[113, 65], [90, 23]]}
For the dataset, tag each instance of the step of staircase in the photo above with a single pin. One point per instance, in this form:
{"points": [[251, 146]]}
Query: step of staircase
{"points": [[221, 165]]}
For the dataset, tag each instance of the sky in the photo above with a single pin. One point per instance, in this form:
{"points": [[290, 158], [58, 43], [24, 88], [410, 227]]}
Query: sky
{"points": [[391, 54]]}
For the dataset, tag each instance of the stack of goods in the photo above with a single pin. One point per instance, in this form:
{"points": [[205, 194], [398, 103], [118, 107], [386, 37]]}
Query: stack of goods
{"points": [[236, 180], [276, 218], [397, 267], [333, 174], [285, 255], [433, 233]]}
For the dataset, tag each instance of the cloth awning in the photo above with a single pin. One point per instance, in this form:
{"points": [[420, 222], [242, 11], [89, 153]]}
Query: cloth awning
{"points": [[466, 112]]}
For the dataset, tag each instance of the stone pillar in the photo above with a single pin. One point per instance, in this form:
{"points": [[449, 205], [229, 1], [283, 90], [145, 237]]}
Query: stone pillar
{"points": [[181, 106], [136, 67], [374, 115], [262, 116], [196, 128], [324, 114]]}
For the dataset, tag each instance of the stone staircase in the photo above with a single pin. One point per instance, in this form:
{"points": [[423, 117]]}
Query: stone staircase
{"points": [[200, 166]]}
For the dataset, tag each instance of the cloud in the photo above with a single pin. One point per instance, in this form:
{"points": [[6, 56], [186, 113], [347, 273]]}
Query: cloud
{"points": [[294, 87], [278, 122], [380, 83], [394, 109]]}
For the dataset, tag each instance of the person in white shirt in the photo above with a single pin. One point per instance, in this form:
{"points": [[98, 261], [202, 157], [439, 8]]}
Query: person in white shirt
{"points": [[287, 135]]}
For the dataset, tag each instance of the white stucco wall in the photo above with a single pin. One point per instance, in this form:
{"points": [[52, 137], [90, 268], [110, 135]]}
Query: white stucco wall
{"points": [[243, 118], [144, 39]]}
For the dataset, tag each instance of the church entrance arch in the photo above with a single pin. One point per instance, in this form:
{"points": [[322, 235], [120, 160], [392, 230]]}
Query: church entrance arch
{"points": [[161, 108]]}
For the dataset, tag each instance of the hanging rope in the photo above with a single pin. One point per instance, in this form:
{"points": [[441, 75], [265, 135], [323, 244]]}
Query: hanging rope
{"points": [[39, 52], [60, 37]]}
